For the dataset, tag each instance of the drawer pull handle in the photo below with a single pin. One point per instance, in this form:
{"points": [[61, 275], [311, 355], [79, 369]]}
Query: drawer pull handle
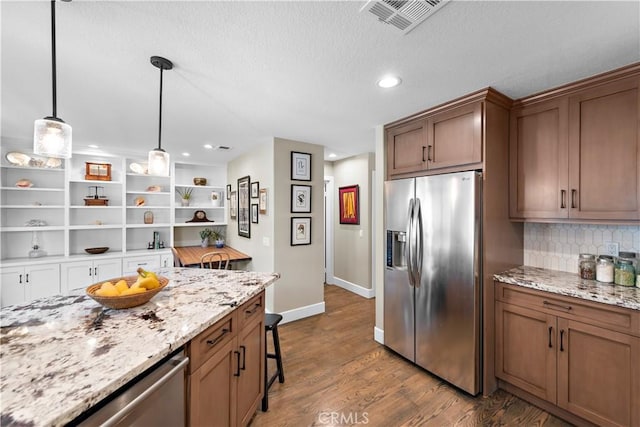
{"points": [[27, 277], [423, 159], [217, 339], [255, 307], [429, 153], [556, 306], [573, 198], [561, 339], [550, 330], [563, 199], [237, 373], [20, 279], [244, 356]]}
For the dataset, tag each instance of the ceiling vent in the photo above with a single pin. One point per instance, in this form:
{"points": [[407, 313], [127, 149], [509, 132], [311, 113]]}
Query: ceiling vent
{"points": [[404, 15]]}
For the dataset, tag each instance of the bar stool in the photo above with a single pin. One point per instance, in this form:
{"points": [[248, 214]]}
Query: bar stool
{"points": [[271, 321]]}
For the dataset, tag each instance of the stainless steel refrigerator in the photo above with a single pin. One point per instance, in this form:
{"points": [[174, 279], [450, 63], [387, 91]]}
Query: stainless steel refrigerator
{"points": [[432, 283]]}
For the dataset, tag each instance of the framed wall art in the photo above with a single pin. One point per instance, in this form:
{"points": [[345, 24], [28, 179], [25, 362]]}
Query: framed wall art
{"points": [[348, 202], [233, 205], [244, 220], [254, 213], [262, 201], [300, 198], [300, 231], [228, 191], [254, 189], [300, 166]]}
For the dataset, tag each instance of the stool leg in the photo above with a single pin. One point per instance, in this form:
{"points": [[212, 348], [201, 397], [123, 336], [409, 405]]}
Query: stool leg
{"points": [[276, 345], [265, 398]]}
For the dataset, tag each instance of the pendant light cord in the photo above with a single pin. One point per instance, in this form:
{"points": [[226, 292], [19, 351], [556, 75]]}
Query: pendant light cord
{"points": [[160, 114], [53, 56]]}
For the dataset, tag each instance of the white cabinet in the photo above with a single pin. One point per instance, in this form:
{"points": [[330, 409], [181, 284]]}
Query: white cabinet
{"points": [[166, 260], [22, 284], [80, 274], [130, 265]]}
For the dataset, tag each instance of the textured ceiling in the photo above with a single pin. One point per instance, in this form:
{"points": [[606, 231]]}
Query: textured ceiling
{"points": [[248, 71]]}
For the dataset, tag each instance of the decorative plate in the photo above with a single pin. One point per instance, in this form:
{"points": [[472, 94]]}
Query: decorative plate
{"points": [[18, 159], [24, 183], [53, 163], [95, 251], [138, 168]]}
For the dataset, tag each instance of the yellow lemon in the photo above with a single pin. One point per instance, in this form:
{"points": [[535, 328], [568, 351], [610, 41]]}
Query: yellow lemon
{"points": [[133, 291], [122, 286], [108, 292], [107, 285]]}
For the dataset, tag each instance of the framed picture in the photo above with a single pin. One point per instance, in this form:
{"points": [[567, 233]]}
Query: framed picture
{"points": [[300, 166], [254, 213], [228, 191], [300, 231], [348, 202], [233, 205], [262, 201], [244, 221], [254, 189], [300, 198], [97, 171]]}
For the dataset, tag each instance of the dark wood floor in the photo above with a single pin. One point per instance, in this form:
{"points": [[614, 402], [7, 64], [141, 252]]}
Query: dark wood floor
{"points": [[336, 374]]}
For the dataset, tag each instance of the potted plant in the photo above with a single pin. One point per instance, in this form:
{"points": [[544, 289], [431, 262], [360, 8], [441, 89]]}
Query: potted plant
{"points": [[205, 234], [218, 236], [185, 195]]}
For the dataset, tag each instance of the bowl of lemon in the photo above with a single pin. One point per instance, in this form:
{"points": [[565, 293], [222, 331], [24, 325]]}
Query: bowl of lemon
{"points": [[127, 291]]}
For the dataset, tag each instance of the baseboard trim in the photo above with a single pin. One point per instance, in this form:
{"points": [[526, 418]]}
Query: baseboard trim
{"points": [[378, 335], [352, 287], [302, 312]]}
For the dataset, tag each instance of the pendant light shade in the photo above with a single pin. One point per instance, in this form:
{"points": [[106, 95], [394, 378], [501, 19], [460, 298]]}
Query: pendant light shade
{"points": [[158, 162], [51, 135]]}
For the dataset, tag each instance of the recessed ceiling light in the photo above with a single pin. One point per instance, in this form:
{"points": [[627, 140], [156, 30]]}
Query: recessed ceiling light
{"points": [[93, 146], [332, 155], [208, 146], [186, 154], [389, 81]]}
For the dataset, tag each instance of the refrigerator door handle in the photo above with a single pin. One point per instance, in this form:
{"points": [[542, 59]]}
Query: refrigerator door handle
{"points": [[417, 236], [410, 249]]}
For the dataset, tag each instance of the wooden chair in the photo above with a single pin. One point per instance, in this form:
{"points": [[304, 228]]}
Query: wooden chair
{"points": [[176, 258], [219, 260]]}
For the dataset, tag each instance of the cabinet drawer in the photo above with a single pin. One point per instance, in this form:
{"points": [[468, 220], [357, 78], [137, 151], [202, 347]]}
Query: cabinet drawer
{"points": [[211, 340], [130, 265], [251, 310], [598, 314]]}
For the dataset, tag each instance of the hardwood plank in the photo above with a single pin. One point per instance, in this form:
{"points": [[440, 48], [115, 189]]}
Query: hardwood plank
{"points": [[336, 374]]}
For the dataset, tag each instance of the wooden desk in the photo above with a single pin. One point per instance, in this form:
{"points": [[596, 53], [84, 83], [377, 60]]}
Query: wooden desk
{"points": [[190, 255]]}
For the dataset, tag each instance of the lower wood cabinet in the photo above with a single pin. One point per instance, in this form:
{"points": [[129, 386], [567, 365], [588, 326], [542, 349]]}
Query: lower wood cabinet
{"points": [[580, 357], [226, 381]]}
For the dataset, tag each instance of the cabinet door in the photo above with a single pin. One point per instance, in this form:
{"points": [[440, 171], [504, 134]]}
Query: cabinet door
{"points": [[213, 389], [166, 260], [604, 144], [599, 374], [76, 275], [106, 269], [12, 287], [251, 342], [538, 164], [131, 265], [454, 137], [43, 281], [407, 148], [526, 349]]}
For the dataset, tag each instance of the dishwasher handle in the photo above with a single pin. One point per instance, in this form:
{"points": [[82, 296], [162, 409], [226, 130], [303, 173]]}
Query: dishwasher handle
{"points": [[181, 364]]}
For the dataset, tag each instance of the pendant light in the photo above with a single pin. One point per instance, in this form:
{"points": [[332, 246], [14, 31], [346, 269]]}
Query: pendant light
{"points": [[158, 162], [51, 135]]}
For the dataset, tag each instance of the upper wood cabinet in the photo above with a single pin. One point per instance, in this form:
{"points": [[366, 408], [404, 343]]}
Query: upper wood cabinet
{"points": [[447, 138], [575, 154], [407, 148]]}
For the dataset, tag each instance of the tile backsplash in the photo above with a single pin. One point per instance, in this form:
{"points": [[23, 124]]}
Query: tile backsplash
{"points": [[557, 246]]}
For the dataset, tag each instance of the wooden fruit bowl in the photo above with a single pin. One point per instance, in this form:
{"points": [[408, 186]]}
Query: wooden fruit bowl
{"points": [[125, 301]]}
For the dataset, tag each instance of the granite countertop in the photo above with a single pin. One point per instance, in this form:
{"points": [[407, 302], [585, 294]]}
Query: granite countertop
{"points": [[59, 356], [571, 285]]}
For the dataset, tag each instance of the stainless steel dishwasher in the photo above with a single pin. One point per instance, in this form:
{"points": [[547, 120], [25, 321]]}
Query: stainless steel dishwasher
{"points": [[157, 398]]}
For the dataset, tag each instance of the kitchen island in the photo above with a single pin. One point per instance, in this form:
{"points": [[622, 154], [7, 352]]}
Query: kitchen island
{"points": [[62, 355]]}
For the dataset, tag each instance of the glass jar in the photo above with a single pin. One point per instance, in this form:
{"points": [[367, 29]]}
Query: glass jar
{"points": [[605, 269], [587, 266], [625, 274]]}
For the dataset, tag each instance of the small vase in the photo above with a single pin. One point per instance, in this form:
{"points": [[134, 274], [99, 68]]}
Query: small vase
{"points": [[185, 202], [205, 242], [219, 243]]}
